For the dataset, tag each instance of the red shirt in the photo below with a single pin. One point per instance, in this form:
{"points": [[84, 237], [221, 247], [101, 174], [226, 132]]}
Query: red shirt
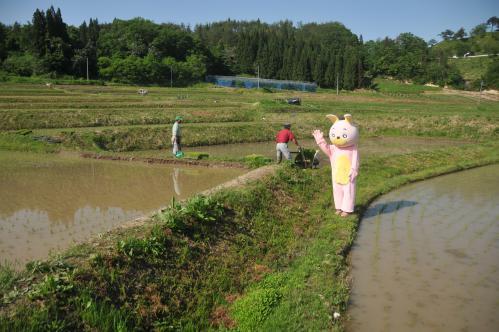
{"points": [[284, 136]]}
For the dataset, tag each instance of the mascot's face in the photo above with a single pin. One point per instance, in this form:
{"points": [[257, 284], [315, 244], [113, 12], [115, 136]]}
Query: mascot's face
{"points": [[343, 133]]}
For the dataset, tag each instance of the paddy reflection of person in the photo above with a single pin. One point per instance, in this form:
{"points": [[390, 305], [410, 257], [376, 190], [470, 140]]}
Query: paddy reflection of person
{"points": [[176, 182], [177, 137]]}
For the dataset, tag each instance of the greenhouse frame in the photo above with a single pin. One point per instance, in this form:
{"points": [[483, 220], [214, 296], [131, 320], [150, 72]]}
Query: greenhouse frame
{"points": [[251, 82]]}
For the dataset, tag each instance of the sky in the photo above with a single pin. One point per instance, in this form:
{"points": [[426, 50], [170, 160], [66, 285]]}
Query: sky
{"points": [[372, 19]]}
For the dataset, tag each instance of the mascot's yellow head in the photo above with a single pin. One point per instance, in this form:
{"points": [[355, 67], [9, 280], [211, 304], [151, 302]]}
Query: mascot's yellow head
{"points": [[343, 133]]}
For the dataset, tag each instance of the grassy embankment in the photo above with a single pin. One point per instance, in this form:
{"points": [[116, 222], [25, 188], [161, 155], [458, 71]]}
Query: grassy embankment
{"points": [[271, 256], [472, 69], [268, 257]]}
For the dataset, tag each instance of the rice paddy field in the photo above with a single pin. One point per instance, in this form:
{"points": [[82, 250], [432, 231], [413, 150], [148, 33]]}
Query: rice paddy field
{"points": [[269, 256], [116, 118]]}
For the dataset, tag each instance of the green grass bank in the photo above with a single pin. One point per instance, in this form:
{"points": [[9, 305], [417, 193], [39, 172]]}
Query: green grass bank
{"points": [[270, 256]]}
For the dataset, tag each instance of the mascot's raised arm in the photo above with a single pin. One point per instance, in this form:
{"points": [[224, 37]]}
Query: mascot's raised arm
{"points": [[344, 157]]}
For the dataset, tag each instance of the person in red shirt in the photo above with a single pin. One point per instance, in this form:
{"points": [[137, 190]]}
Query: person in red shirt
{"points": [[282, 138]]}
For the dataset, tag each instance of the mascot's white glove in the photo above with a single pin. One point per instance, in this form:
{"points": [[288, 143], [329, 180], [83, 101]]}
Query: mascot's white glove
{"points": [[318, 135]]}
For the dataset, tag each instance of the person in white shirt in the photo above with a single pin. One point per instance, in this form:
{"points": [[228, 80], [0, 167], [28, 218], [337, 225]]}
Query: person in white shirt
{"points": [[177, 136]]}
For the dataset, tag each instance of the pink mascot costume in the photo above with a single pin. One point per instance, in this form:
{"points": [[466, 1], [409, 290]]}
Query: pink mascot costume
{"points": [[344, 157]]}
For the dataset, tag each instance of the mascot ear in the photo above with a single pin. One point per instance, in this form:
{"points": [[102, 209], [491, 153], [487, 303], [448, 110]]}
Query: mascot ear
{"points": [[332, 118], [348, 117]]}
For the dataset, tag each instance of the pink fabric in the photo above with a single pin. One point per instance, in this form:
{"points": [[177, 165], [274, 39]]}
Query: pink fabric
{"points": [[344, 194]]}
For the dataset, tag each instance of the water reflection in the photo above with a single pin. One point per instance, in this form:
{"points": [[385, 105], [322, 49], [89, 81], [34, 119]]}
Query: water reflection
{"points": [[176, 182], [50, 202], [388, 207], [32, 234], [431, 265]]}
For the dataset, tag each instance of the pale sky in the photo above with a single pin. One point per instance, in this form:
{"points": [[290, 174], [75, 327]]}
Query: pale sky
{"points": [[369, 18]]}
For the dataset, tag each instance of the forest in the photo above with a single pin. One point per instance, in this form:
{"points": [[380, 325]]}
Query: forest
{"points": [[139, 51]]}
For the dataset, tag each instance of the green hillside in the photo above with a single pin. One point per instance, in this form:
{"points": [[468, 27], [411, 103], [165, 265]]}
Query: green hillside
{"points": [[472, 68]]}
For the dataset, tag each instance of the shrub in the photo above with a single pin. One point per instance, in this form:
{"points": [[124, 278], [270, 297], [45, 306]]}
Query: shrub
{"points": [[491, 77], [172, 217], [195, 218], [203, 209], [22, 65]]}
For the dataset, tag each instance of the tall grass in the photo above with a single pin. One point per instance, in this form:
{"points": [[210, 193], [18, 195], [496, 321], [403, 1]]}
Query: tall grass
{"points": [[25, 142]]}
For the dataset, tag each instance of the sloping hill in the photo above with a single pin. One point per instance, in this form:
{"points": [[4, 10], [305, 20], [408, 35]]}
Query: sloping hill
{"points": [[472, 68]]}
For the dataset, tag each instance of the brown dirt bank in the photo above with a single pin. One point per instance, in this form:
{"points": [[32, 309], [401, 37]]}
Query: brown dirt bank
{"points": [[150, 160], [490, 95]]}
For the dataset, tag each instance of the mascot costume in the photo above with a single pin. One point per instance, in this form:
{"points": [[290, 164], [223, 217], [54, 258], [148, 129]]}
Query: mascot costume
{"points": [[344, 157]]}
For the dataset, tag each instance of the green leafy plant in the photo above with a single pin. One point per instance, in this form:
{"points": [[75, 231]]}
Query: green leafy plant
{"points": [[256, 160], [172, 217], [203, 209], [149, 247], [52, 283]]}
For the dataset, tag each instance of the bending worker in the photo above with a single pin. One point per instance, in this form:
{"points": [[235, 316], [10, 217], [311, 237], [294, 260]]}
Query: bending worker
{"points": [[282, 138], [176, 136]]}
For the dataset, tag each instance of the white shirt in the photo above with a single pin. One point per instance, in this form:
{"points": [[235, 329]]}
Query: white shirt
{"points": [[176, 131]]}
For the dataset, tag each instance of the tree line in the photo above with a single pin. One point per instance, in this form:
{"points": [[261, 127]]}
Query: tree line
{"points": [[139, 51]]}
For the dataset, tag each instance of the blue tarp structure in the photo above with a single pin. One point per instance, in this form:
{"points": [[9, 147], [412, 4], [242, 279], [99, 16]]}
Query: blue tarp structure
{"points": [[249, 83]]}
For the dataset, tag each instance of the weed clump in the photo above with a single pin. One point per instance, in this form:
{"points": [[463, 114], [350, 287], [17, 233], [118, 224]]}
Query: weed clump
{"points": [[256, 160], [251, 310], [193, 217]]}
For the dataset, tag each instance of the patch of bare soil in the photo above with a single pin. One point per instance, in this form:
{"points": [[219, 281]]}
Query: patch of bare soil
{"points": [[190, 162], [492, 95]]}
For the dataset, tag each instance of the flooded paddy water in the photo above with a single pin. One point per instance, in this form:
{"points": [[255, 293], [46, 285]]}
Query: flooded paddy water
{"points": [[367, 146], [427, 257], [49, 202]]}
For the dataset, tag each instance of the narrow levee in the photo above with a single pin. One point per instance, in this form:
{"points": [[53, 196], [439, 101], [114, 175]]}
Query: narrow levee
{"points": [[427, 257], [50, 202]]}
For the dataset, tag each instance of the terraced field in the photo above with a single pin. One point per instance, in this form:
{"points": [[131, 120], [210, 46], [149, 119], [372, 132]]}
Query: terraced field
{"points": [[271, 256], [116, 118]]}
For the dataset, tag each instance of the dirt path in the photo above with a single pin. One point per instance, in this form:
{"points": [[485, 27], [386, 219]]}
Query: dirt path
{"points": [[151, 160], [243, 179], [491, 95]]}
